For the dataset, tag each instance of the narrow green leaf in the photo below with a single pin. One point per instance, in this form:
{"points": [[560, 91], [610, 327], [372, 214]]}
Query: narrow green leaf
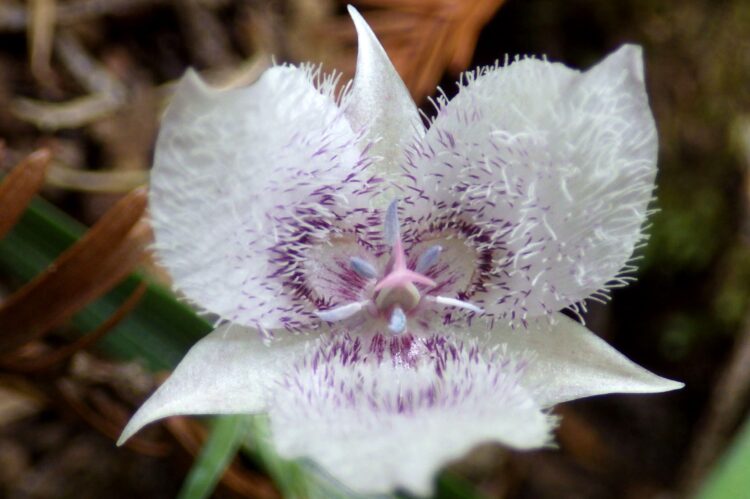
{"points": [[287, 475], [227, 433], [731, 479], [159, 331], [450, 486]]}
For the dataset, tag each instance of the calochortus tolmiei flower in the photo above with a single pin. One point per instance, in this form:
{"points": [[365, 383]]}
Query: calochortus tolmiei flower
{"points": [[389, 292]]}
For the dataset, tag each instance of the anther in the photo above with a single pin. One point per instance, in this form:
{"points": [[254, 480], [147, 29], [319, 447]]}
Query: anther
{"points": [[363, 268], [340, 313], [397, 324], [391, 225], [453, 302], [428, 259]]}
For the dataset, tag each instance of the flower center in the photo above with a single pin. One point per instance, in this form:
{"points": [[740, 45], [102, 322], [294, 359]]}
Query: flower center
{"points": [[396, 295]]}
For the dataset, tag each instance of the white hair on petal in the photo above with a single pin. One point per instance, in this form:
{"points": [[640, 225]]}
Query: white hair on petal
{"points": [[327, 83], [548, 170], [425, 401], [245, 182]]}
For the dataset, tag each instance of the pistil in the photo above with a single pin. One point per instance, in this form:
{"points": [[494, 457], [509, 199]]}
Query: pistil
{"points": [[396, 294]]}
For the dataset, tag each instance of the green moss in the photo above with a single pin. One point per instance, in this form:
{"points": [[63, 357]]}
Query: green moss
{"points": [[689, 231]]}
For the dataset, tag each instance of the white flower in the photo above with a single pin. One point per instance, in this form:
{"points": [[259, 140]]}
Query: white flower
{"points": [[432, 323]]}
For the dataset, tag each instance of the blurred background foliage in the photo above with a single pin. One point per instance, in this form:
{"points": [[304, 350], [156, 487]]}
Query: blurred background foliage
{"points": [[82, 84]]}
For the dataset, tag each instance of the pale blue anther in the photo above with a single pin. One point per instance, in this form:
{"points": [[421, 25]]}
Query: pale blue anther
{"points": [[428, 259], [363, 268], [391, 228], [397, 324]]}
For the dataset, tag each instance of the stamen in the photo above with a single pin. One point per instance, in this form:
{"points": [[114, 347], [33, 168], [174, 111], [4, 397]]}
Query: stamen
{"points": [[453, 302], [428, 259], [397, 324], [340, 313], [363, 268], [391, 225]]}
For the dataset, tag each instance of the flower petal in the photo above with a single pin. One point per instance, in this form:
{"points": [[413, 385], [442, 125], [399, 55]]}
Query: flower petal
{"points": [[239, 174], [571, 362], [228, 371], [553, 169], [380, 103], [382, 412], [332, 279]]}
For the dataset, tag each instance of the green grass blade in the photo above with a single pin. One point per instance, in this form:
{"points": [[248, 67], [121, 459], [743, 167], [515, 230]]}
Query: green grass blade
{"points": [[731, 478], [227, 433], [288, 476], [450, 486]]}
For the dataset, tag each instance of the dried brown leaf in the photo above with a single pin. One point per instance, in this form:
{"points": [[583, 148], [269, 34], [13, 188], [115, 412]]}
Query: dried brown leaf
{"points": [[20, 186], [99, 260], [51, 359], [423, 38], [15, 404]]}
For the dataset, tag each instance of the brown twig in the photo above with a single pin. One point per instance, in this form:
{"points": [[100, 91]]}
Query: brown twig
{"points": [[106, 95], [88, 72], [60, 115], [95, 181], [41, 34]]}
